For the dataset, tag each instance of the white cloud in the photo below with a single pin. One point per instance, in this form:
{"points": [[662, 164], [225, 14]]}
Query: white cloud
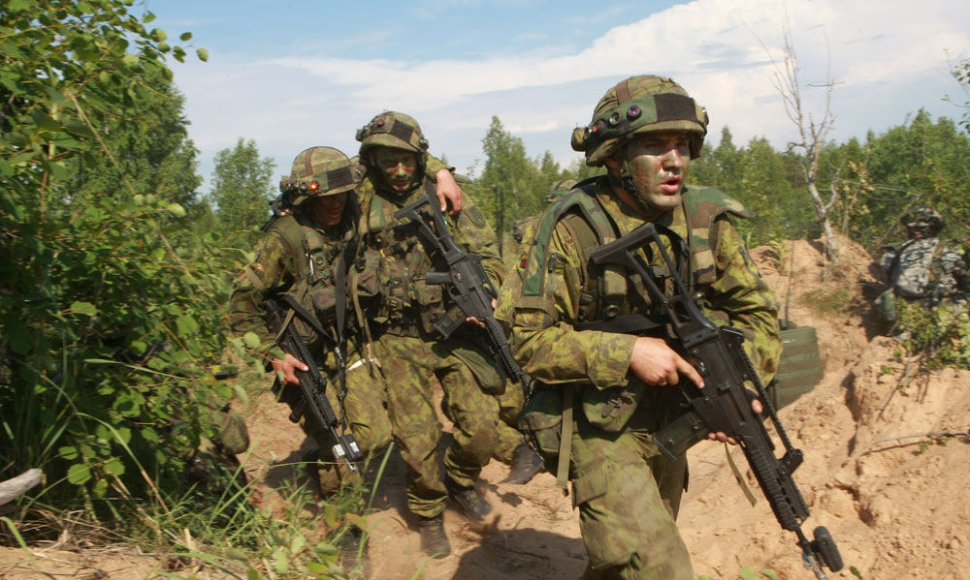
{"points": [[887, 60]]}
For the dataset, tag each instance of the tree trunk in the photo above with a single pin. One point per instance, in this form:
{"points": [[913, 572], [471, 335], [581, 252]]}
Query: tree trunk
{"points": [[821, 210]]}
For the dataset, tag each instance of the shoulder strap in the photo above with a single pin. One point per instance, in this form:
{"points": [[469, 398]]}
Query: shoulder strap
{"points": [[582, 201], [702, 206]]}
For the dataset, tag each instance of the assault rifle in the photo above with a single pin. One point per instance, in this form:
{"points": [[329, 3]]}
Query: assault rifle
{"points": [[313, 405], [465, 281], [724, 403]]}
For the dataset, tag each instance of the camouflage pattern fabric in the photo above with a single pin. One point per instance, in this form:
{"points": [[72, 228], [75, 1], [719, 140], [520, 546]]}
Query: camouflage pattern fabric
{"points": [[924, 269], [638, 538], [411, 352], [415, 363], [280, 266], [626, 494], [365, 411]]}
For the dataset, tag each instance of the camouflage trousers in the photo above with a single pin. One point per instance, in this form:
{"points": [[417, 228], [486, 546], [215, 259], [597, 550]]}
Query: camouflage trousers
{"points": [[412, 364], [628, 495], [510, 404], [364, 411]]}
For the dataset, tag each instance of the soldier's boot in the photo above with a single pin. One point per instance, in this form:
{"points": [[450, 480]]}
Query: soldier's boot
{"points": [[311, 464], [526, 463], [471, 502], [434, 542]]}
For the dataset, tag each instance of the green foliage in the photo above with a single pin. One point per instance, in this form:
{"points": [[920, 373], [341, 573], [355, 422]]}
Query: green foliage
{"points": [[108, 385], [941, 334], [961, 72], [240, 534], [766, 182], [512, 186], [829, 300], [108, 328], [920, 162], [241, 191]]}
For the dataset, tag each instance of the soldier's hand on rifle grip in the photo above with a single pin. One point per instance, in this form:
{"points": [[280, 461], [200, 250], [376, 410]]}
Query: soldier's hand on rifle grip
{"points": [[481, 323], [655, 363], [756, 406], [286, 369]]}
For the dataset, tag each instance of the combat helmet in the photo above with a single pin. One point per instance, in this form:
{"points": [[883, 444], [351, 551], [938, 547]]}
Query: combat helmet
{"points": [[924, 216], [318, 172], [640, 104], [392, 129]]}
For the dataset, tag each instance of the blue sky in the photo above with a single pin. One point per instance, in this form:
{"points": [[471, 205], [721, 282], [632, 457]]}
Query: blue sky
{"points": [[291, 74]]}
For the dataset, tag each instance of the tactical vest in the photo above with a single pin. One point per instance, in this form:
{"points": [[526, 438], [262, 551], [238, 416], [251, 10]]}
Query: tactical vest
{"points": [[315, 257], [606, 294], [547, 418], [409, 307]]}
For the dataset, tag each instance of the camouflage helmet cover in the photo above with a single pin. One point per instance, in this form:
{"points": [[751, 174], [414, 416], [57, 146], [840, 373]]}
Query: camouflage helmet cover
{"points": [[923, 216], [640, 104], [392, 129], [318, 172]]}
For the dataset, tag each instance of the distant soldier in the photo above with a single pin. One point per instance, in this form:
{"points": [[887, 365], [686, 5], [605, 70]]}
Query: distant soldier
{"points": [[923, 268]]}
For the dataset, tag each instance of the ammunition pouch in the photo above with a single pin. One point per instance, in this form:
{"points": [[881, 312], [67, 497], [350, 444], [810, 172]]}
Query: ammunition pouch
{"points": [[367, 281], [490, 379], [324, 301], [541, 421], [429, 298]]}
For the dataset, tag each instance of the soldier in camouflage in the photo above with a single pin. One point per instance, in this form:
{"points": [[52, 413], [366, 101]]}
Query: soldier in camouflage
{"points": [[924, 268], [600, 393], [299, 254], [394, 152]]}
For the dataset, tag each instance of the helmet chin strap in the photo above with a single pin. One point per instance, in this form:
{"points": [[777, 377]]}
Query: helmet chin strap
{"points": [[625, 180]]}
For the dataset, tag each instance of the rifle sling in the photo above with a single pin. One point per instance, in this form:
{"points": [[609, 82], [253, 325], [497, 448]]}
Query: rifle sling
{"points": [[304, 314], [566, 436], [636, 324]]}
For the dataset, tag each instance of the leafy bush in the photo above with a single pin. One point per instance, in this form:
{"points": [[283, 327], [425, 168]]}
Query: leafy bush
{"points": [[107, 387], [941, 335], [107, 329]]}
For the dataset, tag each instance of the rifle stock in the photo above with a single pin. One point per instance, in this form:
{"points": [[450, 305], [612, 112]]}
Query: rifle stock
{"points": [[724, 403], [466, 282], [314, 407]]}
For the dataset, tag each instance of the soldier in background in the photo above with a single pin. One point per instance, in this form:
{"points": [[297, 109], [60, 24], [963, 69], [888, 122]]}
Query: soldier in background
{"points": [[923, 268], [412, 353], [299, 255]]}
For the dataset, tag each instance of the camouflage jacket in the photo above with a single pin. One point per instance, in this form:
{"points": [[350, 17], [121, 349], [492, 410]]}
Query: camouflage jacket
{"points": [[551, 350], [924, 269], [294, 257], [409, 306]]}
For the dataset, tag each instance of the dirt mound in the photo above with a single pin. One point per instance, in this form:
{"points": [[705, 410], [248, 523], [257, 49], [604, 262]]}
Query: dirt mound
{"points": [[886, 453], [885, 450]]}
